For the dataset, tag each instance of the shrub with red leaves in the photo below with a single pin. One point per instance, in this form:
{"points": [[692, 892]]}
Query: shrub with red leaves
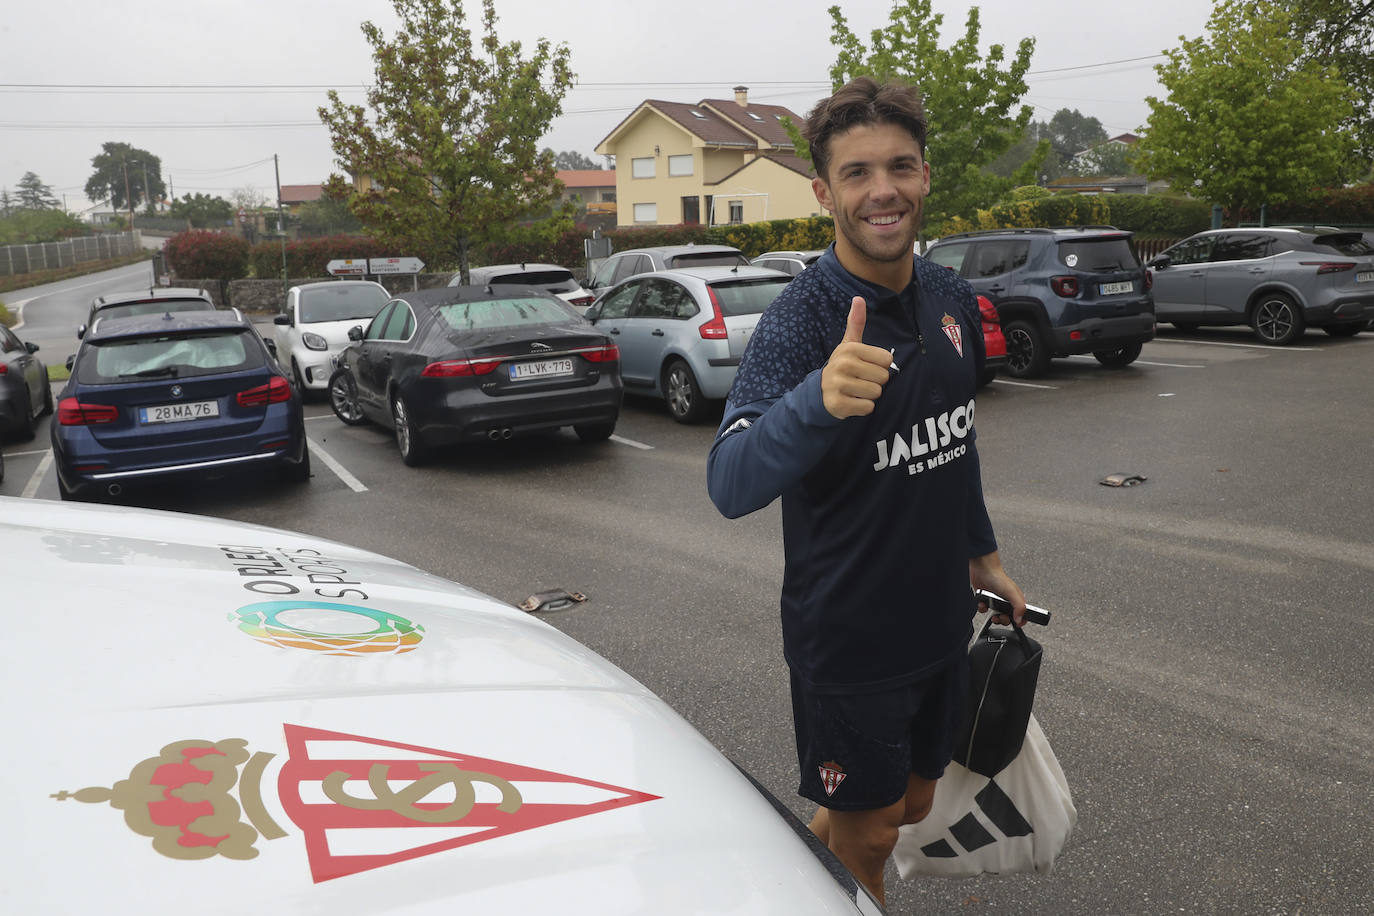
{"points": [[206, 255]]}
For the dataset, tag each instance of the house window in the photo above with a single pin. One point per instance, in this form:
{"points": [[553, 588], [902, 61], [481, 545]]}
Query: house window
{"points": [[697, 114], [736, 211], [646, 213], [679, 166], [642, 168], [691, 210]]}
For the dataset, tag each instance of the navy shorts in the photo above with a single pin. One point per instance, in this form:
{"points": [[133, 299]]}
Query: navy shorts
{"points": [[856, 750]]}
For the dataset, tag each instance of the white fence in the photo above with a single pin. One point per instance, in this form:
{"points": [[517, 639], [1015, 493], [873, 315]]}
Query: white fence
{"points": [[23, 259]]}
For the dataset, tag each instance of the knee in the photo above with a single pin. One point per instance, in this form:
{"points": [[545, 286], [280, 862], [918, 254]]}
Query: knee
{"points": [[920, 797]]}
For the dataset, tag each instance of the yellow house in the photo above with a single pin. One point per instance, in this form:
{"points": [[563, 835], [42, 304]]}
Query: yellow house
{"points": [[718, 161]]}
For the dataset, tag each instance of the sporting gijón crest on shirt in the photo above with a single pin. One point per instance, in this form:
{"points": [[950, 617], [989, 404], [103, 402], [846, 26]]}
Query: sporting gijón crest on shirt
{"points": [[950, 325], [832, 774]]}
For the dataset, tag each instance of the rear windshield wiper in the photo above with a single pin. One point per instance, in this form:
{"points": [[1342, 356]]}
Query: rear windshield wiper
{"points": [[170, 371]]}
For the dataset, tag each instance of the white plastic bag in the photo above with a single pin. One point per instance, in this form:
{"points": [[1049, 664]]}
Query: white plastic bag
{"points": [[1018, 821]]}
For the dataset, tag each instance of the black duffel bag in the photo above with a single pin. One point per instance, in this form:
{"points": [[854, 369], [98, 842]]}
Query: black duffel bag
{"points": [[1004, 666]]}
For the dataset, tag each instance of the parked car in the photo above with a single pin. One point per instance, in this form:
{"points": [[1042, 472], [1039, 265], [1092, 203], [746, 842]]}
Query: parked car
{"points": [[994, 344], [550, 277], [185, 394], [467, 363], [1057, 291], [625, 264], [25, 393], [261, 721], [312, 330], [1278, 280], [789, 262], [682, 332], [155, 300]]}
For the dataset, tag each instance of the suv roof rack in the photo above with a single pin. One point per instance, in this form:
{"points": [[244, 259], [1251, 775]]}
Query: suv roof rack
{"points": [[1026, 230]]}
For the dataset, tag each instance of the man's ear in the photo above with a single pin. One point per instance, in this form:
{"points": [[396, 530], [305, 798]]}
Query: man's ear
{"points": [[822, 192]]}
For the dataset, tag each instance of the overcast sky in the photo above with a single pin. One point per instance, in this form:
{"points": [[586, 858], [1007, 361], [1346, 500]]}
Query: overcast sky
{"points": [[66, 68]]}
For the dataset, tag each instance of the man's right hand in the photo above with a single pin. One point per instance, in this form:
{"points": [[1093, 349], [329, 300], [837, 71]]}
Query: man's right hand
{"points": [[853, 378]]}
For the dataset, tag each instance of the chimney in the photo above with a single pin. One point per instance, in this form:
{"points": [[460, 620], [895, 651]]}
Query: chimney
{"points": [[742, 96]]}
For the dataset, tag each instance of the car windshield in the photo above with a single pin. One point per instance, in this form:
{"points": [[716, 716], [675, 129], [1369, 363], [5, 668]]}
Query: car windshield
{"points": [[340, 303], [555, 281], [153, 307], [708, 259], [168, 356], [748, 297], [502, 313], [1098, 254]]}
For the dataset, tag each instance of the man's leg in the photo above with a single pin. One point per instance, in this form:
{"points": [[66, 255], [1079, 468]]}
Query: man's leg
{"points": [[863, 840]]}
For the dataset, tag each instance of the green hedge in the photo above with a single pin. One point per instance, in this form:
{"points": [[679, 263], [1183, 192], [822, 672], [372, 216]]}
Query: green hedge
{"points": [[1336, 206], [1144, 214]]}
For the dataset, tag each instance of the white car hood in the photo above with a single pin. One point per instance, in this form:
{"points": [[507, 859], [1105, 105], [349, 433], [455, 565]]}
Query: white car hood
{"points": [[225, 717]]}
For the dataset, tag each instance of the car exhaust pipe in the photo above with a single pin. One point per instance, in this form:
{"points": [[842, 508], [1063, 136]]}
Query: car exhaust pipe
{"points": [[493, 434], [498, 432], [506, 433], [114, 489]]}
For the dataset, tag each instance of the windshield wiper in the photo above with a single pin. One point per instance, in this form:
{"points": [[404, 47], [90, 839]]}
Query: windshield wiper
{"points": [[169, 371]]}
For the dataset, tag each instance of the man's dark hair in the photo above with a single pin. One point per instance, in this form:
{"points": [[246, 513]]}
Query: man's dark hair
{"points": [[859, 102]]}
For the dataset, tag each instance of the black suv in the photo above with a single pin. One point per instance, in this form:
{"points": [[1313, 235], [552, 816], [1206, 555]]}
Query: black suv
{"points": [[1057, 291]]}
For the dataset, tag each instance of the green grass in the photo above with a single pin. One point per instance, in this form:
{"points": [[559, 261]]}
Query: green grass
{"points": [[58, 374]]}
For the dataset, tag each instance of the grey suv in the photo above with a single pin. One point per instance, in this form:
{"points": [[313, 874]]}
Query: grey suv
{"points": [[1057, 291], [625, 264], [1279, 280]]}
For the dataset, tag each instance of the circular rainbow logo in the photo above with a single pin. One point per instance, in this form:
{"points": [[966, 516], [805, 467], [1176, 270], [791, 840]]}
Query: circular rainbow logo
{"points": [[334, 629]]}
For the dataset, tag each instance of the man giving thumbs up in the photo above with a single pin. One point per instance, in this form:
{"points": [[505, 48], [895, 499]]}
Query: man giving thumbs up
{"points": [[854, 402]]}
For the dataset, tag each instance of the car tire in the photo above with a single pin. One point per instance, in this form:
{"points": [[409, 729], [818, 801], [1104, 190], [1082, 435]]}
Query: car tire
{"points": [[298, 472], [47, 398], [1027, 356], [1120, 357], [412, 447], [343, 398], [1276, 319], [1344, 329], [681, 392], [594, 432], [27, 428], [1187, 327]]}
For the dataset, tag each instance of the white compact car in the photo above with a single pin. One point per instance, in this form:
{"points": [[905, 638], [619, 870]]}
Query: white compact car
{"points": [[313, 329], [236, 719]]}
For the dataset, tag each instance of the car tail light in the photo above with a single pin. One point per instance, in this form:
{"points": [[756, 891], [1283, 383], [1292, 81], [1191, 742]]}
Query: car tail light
{"points": [[1064, 286], [452, 368], [1149, 279], [715, 328], [4, 368], [71, 412], [582, 301], [275, 391], [1329, 267], [988, 311], [607, 354]]}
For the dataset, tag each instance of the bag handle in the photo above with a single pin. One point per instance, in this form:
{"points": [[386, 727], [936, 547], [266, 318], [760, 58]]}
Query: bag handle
{"points": [[1019, 630]]}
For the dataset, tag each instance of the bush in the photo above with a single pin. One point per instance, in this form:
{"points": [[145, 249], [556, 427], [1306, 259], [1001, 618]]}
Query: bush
{"points": [[30, 227], [203, 254], [1158, 215], [310, 257], [1339, 206], [1143, 214], [805, 234]]}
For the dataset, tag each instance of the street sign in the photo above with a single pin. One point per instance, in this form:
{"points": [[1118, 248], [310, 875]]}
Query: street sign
{"points": [[347, 267], [379, 266]]}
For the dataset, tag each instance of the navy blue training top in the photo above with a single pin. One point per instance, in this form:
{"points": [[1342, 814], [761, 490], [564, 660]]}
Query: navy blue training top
{"points": [[882, 513]]}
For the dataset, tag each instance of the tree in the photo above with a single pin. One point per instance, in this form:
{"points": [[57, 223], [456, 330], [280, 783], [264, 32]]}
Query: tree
{"points": [[451, 144], [248, 199], [1066, 133], [1105, 159], [34, 194], [969, 99], [202, 210], [569, 159], [123, 172], [1071, 133], [328, 216], [7, 205], [1248, 121]]}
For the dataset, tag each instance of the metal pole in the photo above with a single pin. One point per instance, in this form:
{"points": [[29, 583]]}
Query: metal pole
{"points": [[128, 197], [281, 228], [147, 196]]}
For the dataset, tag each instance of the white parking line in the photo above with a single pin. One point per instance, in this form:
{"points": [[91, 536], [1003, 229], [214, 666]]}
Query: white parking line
{"points": [[1143, 362], [31, 487], [1222, 343], [353, 483], [1007, 381], [631, 443]]}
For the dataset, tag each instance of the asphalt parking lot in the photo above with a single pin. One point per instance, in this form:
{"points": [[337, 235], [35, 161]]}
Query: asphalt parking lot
{"points": [[1205, 676]]}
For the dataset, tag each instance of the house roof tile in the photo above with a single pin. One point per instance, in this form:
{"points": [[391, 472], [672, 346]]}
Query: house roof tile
{"points": [[301, 193], [587, 178], [761, 120]]}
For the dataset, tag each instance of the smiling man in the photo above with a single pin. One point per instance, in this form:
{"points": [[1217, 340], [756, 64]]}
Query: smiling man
{"points": [[854, 402]]}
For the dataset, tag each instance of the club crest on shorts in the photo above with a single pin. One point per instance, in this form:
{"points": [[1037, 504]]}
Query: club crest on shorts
{"points": [[832, 774], [950, 326]]}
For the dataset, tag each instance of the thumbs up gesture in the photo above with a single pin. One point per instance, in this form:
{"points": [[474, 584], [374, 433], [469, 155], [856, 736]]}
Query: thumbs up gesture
{"points": [[853, 378]]}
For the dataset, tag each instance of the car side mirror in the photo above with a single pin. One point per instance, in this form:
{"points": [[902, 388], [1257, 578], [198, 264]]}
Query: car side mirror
{"points": [[1159, 262], [355, 332], [271, 346], [80, 332], [283, 320], [71, 361], [31, 346], [592, 313]]}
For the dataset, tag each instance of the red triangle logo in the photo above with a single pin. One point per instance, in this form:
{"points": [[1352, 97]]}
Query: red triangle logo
{"points": [[348, 806]]}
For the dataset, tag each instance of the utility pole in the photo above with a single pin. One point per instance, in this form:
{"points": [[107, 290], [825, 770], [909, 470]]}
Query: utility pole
{"points": [[281, 228], [127, 196], [147, 195]]}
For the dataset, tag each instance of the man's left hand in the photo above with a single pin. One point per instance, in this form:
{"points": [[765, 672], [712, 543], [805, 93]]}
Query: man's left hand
{"points": [[986, 572]]}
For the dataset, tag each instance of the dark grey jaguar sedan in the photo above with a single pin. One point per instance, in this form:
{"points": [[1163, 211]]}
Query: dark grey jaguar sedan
{"points": [[470, 363]]}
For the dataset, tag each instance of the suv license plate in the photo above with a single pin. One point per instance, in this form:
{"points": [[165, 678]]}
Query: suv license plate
{"points": [[178, 413], [544, 368], [1116, 289], [1365, 276]]}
